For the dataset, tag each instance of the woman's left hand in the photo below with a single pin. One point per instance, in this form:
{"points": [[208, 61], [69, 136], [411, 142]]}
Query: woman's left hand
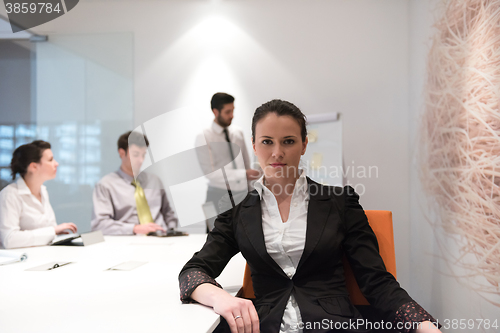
{"points": [[63, 227]]}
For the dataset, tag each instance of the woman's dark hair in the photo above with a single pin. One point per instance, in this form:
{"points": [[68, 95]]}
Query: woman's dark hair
{"points": [[26, 154], [281, 108]]}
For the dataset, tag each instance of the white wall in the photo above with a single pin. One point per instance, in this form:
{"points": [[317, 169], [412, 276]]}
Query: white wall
{"points": [[346, 56]]}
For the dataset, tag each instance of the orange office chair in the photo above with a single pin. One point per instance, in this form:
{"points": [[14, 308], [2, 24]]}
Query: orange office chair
{"points": [[381, 223]]}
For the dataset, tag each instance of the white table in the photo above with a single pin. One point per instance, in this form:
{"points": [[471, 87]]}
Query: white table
{"points": [[86, 297]]}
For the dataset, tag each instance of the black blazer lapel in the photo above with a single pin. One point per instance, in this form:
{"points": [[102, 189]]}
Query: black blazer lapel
{"points": [[251, 217], [317, 214]]}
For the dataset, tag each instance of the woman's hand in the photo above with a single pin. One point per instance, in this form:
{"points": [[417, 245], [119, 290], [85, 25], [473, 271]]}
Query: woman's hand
{"points": [[63, 227], [239, 313], [427, 327]]}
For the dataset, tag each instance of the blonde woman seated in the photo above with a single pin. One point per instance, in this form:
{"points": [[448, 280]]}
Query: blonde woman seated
{"points": [[293, 233], [26, 217]]}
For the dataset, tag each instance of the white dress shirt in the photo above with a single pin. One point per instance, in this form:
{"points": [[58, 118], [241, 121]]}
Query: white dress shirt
{"points": [[285, 241], [219, 156], [24, 220]]}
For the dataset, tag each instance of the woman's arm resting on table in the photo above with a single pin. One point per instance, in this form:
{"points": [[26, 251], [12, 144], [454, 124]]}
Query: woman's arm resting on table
{"points": [[229, 307], [197, 278]]}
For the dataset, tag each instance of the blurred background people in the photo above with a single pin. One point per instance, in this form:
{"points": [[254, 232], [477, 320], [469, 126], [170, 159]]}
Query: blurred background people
{"points": [[221, 139], [26, 216], [124, 205]]}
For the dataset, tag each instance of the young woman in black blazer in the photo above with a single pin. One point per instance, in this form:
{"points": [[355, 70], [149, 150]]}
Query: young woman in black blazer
{"points": [[293, 233]]}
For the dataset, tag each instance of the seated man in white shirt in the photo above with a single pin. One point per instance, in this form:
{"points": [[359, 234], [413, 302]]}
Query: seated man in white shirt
{"points": [[126, 206], [224, 144]]}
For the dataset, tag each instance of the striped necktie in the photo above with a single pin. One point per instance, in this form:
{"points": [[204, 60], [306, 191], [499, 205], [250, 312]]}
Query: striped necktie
{"points": [[143, 211]]}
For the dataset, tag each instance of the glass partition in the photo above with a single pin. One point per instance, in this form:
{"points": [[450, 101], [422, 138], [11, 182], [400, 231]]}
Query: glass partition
{"points": [[84, 102]]}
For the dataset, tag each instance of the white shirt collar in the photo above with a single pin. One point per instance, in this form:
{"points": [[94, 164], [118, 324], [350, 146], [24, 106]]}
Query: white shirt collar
{"points": [[141, 178], [125, 176], [300, 184], [22, 188], [217, 128]]}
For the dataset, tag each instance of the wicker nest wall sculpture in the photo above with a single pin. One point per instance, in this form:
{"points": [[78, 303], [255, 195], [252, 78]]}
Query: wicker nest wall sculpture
{"points": [[460, 134]]}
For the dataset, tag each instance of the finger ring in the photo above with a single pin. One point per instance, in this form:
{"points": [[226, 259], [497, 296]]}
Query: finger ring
{"points": [[237, 317]]}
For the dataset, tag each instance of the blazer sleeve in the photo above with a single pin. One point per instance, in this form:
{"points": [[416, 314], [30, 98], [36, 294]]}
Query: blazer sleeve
{"points": [[208, 263], [378, 286]]}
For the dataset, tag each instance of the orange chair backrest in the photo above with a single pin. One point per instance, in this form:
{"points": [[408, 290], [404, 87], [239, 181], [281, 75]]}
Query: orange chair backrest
{"points": [[381, 223]]}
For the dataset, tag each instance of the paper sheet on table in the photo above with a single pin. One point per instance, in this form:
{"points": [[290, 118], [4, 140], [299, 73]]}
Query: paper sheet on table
{"points": [[127, 266]]}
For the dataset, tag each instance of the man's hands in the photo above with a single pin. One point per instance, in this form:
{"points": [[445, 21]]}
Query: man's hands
{"points": [[147, 228], [64, 227]]}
